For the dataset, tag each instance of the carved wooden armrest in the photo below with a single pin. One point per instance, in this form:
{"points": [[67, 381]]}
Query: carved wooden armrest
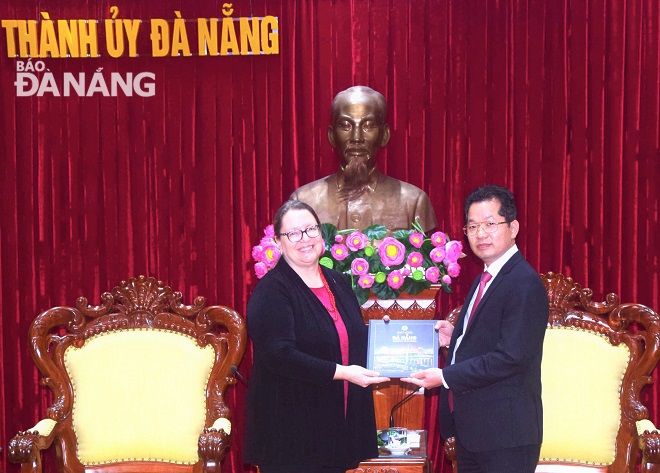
{"points": [[649, 444], [450, 452], [213, 444], [25, 447]]}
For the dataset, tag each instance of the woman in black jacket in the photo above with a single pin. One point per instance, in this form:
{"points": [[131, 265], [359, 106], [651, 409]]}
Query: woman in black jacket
{"points": [[309, 405]]}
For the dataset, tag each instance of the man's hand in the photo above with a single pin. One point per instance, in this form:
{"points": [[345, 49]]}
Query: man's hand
{"points": [[428, 378], [444, 329]]}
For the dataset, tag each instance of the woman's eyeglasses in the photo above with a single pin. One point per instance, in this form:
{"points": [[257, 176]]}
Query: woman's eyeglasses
{"points": [[295, 236]]}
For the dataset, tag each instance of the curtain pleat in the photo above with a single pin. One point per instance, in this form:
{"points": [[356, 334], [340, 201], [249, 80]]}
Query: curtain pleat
{"points": [[557, 100]]}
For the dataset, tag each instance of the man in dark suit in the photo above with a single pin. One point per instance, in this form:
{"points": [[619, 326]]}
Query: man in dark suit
{"points": [[490, 397]]}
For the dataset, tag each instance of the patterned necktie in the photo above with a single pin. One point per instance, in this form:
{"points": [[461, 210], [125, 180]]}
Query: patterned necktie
{"points": [[485, 277]]}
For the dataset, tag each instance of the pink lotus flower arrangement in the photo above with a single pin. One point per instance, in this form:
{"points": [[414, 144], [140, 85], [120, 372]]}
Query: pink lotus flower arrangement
{"points": [[387, 265], [266, 253]]}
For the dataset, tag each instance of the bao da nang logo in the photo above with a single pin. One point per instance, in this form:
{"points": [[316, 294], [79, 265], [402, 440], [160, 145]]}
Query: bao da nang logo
{"points": [[33, 78]]}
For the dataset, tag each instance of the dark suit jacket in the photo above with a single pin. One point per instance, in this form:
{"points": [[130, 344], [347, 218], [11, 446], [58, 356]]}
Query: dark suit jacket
{"points": [[496, 377], [295, 411]]}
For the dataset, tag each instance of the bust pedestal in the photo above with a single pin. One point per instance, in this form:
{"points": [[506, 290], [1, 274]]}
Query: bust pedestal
{"points": [[411, 413]]}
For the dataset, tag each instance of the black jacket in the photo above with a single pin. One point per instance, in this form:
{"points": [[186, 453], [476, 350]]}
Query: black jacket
{"points": [[496, 378], [295, 411]]}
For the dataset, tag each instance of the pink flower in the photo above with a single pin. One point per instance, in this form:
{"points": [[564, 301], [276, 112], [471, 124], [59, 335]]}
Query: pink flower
{"points": [[438, 239], [438, 254], [405, 271], [395, 279], [260, 269], [415, 259], [453, 270], [339, 238], [356, 241], [391, 251], [257, 253], [416, 239], [432, 274], [360, 266], [271, 253], [339, 252], [269, 232], [446, 279], [366, 281], [453, 251], [266, 253]]}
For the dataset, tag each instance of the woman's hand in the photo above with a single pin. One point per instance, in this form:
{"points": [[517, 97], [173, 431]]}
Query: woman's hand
{"points": [[358, 375]]}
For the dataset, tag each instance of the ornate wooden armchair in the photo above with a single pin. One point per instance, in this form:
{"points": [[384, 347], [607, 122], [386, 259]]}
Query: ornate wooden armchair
{"points": [[138, 382], [597, 357]]}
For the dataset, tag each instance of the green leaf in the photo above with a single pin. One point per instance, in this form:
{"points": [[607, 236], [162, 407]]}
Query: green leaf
{"points": [[418, 227], [328, 232], [375, 232], [327, 262], [375, 264], [414, 287], [361, 293], [403, 236], [383, 291], [343, 265]]}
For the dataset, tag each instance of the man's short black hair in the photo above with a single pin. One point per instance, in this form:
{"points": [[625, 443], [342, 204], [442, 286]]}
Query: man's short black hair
{"points": [[493, 192]]}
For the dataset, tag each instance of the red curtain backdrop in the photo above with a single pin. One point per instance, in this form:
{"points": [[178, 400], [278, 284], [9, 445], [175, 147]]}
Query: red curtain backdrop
{"points": [[556, 99]]}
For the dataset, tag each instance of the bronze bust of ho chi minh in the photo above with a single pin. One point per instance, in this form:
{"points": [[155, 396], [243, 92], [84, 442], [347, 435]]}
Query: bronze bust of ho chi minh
{"points": [[358, 195]]}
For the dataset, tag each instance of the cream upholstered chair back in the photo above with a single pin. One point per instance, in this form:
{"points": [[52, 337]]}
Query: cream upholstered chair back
{"points": [[138, 381], [588, 370], [597, 357], [155, 382]]}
